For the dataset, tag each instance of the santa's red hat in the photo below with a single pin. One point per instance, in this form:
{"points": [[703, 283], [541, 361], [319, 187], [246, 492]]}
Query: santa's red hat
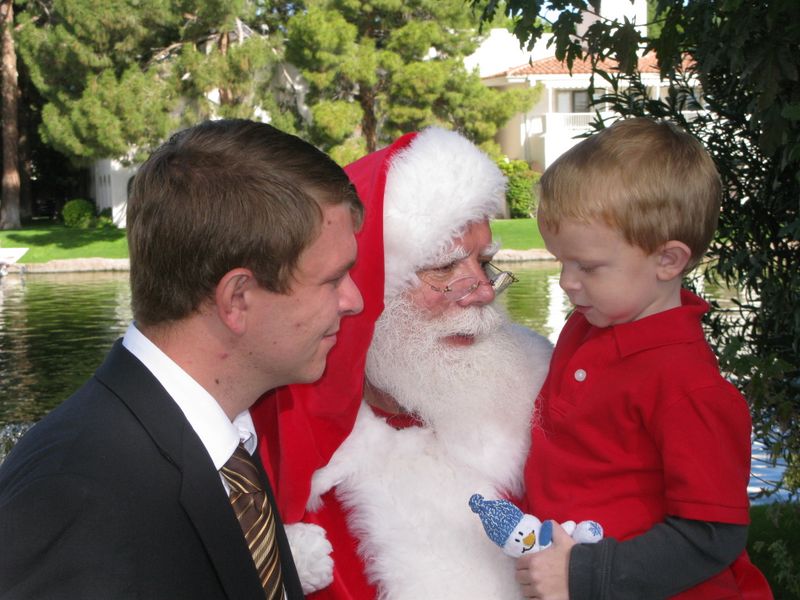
{"points": [[435, 187], [418, 193]]}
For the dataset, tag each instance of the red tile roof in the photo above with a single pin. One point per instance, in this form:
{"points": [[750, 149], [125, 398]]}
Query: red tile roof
{"points": [[551, 66]]}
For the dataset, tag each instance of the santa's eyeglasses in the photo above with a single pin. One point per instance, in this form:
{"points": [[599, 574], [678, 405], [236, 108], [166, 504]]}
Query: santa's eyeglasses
{"points": [[460, 288]]}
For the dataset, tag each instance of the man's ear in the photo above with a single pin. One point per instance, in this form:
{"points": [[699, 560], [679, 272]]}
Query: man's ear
{"points": [[231, 300], [673, 256]]}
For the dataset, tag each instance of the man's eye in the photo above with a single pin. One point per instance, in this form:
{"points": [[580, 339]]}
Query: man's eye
{"points": [[336, 281]]}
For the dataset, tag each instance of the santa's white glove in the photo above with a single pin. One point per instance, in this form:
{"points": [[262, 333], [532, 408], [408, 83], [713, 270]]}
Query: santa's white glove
{"points": [[311, 551]]}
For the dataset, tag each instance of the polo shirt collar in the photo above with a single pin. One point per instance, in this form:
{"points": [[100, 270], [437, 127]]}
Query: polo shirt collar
{"points": [[674, 326]]}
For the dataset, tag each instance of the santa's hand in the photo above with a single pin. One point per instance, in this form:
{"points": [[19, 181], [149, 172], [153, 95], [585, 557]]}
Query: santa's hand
{"points": [[311, 552], [545, 574]]}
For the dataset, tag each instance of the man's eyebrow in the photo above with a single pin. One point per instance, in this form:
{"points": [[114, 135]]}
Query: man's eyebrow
{"points": [[344, 270]]}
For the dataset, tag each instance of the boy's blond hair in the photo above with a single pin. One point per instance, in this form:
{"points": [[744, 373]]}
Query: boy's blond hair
{"points": [[650, 180]]}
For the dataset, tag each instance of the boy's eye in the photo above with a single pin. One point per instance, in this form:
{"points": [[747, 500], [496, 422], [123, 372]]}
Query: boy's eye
{"points": [[586, 268]]}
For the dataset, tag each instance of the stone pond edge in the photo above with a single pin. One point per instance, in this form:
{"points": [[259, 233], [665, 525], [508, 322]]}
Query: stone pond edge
{"points": [[78, 265]]}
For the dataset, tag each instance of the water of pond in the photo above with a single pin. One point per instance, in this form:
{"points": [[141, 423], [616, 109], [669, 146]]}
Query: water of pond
{"points": [[55, 329]]}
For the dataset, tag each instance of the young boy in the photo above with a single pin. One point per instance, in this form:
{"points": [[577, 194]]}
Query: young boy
{"points": [[636, 427]]}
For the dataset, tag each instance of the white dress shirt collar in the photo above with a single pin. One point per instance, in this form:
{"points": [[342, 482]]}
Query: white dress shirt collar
{"points": [[218, 434]]}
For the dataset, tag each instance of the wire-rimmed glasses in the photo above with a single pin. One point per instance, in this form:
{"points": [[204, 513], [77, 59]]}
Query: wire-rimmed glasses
{"points": [[460, 288]]}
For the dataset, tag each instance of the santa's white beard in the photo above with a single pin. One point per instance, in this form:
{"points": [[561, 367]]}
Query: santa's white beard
{"points": [[406, 491], [465, 393]]}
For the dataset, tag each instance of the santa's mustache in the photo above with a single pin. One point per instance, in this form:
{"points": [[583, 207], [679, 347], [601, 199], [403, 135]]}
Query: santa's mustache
{"points": [[476, 321], [402, 318]]}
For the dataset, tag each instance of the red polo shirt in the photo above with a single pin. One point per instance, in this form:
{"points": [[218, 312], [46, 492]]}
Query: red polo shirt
{"points": [[635, 422]]}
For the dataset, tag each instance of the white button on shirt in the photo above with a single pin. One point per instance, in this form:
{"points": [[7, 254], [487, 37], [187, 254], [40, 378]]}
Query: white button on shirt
{"points": [[580, 375], [218, 434]]}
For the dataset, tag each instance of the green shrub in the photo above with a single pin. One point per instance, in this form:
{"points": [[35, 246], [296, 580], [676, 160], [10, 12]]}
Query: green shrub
{"points": [[78, 213], [105, 219], [774, 546], [521, 192]]}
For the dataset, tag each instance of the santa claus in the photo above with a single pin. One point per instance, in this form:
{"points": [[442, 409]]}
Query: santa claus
{"points": [[448, 393]]}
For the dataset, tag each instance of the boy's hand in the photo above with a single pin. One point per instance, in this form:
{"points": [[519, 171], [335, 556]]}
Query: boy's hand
{"points": [[545, 574]]}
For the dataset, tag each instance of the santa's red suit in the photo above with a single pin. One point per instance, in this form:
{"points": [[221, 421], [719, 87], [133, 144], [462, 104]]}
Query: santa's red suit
{"points": [[393, 499]]}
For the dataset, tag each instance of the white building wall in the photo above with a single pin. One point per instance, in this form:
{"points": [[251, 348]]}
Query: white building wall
{"points": [[110, 186], [542, 134]]}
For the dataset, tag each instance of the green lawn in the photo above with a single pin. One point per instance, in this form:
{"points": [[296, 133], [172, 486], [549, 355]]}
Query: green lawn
{"points": [[50, 241], [517, 234]]}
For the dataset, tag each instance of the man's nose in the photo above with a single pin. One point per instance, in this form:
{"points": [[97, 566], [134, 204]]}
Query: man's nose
{"points": [[350, 300]]}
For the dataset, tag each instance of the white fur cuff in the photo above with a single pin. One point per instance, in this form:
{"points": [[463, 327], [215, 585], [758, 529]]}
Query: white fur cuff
{"points": [[311, 551]]}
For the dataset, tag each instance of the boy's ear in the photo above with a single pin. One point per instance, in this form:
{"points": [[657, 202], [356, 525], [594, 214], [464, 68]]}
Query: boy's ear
{"points": [[231, 300], [672, 257]]}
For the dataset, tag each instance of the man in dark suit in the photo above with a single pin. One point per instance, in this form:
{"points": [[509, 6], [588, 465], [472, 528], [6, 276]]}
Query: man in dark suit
{"points": [[241, 240]]}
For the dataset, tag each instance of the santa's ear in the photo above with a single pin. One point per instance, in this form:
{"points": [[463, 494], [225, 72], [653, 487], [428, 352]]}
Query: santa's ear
{"points": [[673, 256], [230, 298]]}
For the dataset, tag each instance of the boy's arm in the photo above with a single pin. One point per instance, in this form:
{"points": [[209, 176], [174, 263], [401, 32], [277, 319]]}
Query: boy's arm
{"points": [[667, 559]]}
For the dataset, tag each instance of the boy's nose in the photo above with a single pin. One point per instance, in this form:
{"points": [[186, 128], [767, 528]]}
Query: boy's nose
{"points": [[567, 280]]}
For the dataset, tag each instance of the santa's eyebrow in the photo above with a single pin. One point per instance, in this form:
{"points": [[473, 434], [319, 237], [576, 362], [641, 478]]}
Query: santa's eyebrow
{"points": [[453, 254], [457, 253], [490, 250]]}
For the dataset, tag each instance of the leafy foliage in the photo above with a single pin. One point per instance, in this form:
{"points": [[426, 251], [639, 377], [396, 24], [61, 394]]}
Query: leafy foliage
{"points": [[379, 68], [774, 545], [78, 213], [87, 60], [117, 77], [520, 193], [745, 56]]}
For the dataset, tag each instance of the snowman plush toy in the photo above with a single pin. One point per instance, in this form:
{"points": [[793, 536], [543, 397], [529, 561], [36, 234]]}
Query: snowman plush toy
{"points": [[518, 533]]}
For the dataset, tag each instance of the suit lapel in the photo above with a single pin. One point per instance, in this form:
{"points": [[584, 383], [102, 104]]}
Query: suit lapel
{"points": [[202, 494], [204, 499]]}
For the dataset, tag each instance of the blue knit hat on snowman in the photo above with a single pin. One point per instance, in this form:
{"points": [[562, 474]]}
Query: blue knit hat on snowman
{"points": [[499, 517], [518, 533]]}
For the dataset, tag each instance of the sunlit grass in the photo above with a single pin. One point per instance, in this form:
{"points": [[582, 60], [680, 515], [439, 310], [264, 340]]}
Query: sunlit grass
{"points": [[517, 234], [50, 241]]}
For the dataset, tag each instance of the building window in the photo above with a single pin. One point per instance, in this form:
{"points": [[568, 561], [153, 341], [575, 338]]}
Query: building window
{"points": [[572, 101]]}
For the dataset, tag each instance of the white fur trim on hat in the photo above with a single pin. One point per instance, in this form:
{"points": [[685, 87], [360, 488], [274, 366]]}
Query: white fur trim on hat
{"points": [[435, 187]]}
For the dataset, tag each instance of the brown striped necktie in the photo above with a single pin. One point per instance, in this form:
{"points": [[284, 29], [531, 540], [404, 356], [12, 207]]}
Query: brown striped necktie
{"points": [[254, 512]]}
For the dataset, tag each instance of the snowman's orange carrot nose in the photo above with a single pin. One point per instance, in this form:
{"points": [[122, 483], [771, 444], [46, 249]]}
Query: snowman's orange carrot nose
{"points": [[529, 540]]}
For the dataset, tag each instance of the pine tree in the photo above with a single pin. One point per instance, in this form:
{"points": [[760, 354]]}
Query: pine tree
{"points": [[376, 69], [118, 76]]}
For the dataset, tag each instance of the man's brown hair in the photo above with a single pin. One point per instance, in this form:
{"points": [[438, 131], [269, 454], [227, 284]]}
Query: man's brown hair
{"points": [[221, 195], [650, 180]]}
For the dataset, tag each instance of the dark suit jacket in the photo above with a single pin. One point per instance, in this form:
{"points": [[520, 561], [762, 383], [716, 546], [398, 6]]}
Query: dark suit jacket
{"points": [[113, 496]]}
